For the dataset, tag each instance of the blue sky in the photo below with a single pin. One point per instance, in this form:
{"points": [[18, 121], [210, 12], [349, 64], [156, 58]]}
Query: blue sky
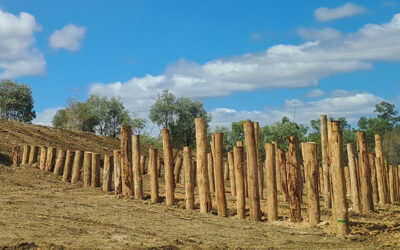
{"points": [[244, 59]]}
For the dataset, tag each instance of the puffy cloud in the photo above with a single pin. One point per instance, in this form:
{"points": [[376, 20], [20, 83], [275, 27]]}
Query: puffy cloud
{"points": [[69, 37], [319, 34], [280, 66], [45, 117], [351, 106], [17, 56], [349, 9], [315, 93]]}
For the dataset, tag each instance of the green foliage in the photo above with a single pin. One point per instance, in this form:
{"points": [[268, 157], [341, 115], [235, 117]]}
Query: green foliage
{"points": [[391, 146], [178, 116], [98, 115], [16, 102]]}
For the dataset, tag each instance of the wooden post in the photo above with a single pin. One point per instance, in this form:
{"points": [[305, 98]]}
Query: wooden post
{"points": [[211, 171], [386, 177], [338, 182], [177, 169], [272, 200], [16, 156], [69, 160], [355, 196], [374, 184], [43, 154], [60, 161], [143, 164], [168, 168], [282, 165], [202, 171], [226, 170], [87, 169], [252, 171], [391, 184], [153, 156], [126, 161], [33, 155], [95, 170], [159, 165], [347, 180], [25, 154], [77, 166], [107, 173], [232, 173], [219, 174], [380, 181], [137, 172], [312, 174], [325, 161], [246, 191], [380, 174], [293, 168], [367, 204], [189, 180], [50, 159], [260, 166], [239, 175], [117, 172]]}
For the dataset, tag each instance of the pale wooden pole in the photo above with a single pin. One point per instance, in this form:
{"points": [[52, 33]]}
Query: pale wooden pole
{"points": [[279, 186], [33, 155], [312, 174], [25, 154], [87, 169], [338, 182], [202, 171], [367, 204], [95, 170], [143, 164], [325, 161], [246, 190], [16, 156], [219, 174], [154, 193], [374, 184], [77, 166], [107, 173], [260, 166], [282, 165], [293, 168], [189, 178], [252, 171], [391, 184], [383, 194], [117, 172], [69, 160], [272, 199], [232, 173], [43, 154], [355, 196], [168, 168], [137, 172], [211, 171], [50, 159], [379, 178], [177, 169], [60, 160], [347, 180], [239, 175], [126, 161], [226, 170], [386, 175]]}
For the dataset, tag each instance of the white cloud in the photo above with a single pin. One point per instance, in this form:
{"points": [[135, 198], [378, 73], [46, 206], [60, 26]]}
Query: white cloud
{"points": [[319, 34], [17, 56], [280, 66], [69, 37], [315, 93], [352, 107], [45, 117], [349, 9]]}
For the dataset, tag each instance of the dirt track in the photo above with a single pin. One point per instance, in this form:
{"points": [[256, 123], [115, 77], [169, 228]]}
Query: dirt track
{"points": [[37, 209]]}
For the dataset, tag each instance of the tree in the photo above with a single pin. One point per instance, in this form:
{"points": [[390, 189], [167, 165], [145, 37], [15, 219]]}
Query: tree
{"points": [[391, 146], [16, 102], [178, 115]]}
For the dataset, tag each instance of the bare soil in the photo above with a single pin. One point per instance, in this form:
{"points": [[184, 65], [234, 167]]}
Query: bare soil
{"points": [[38, 210]]}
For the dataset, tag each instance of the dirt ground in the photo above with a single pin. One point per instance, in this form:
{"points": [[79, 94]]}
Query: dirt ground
{"points": [[38, 210]]}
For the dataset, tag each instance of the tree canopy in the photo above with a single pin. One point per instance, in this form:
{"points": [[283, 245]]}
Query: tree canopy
{"points": [[16, 102]]}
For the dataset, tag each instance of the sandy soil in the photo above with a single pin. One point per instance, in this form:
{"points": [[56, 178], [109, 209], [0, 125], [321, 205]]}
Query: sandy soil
{"points": [[38, 210]]}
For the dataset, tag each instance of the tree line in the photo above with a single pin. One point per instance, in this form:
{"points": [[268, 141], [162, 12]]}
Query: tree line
{"points": [[105, 116]]}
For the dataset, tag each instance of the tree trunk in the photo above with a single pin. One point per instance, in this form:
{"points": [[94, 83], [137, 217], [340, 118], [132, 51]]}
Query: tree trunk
{"points": [[154, 193], [293, 168], [60, 161], [272, 201], [219, 174], [211, 171], [50, 159], [33, 155], [87, 169], [232, 173], [107, 173], [168, 169], [355, 196], [126, 161], [77, 166], [117, 173], [137, 172], [189, 178], [69, 160], [95, 170], [325, 161], [16, 156], [367, 204], [239, 175]]}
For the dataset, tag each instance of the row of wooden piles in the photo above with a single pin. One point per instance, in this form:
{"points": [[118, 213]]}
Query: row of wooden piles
{"points": [[367, 179]]}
